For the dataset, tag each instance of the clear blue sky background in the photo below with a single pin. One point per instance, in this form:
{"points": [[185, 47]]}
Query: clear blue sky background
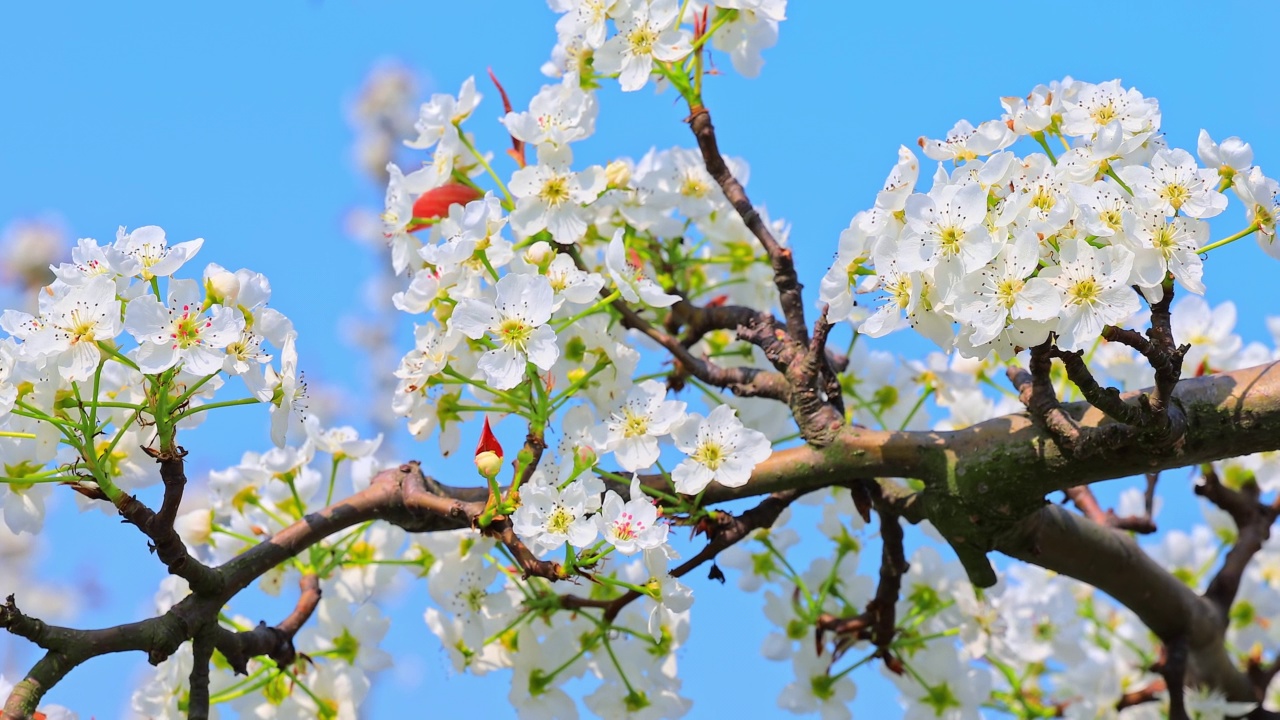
{"points": [[227, 122]]}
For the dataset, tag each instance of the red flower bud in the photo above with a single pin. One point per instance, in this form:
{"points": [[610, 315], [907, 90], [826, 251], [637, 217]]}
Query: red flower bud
{"points": [[435, 203], [488, 442]]}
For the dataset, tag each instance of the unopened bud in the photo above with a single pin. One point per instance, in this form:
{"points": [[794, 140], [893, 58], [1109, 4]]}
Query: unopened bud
{"points": [[539, 254], [489, 463], [488, 453], [221, 285], [584, 457], [617, 173]]}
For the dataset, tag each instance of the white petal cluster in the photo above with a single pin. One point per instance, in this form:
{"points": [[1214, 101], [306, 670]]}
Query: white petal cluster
{"points": [[1005, 251]]}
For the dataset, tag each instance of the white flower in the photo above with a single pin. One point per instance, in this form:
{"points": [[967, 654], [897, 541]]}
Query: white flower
{"points": [[341, 442], [630, 277], [584, 19], [518, 321], [1209, 332], [1174, 184], [633, 430], [673, 595], [548, 517], [146, 254], [648, 31], [351, 637], [946, 228], [181, 332], [1168, 245], [576, 286], [814, 689], [286, 391], [1095, 288], [557, 115], [631, 526], [1096, 106], [964, 142], [847, 273], [438, 118], [1229, 158], [1003, 292], [549, 195], [720, 448], [754, 29], [78, 318]]}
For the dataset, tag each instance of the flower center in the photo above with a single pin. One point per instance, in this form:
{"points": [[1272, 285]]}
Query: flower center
{"points": [[1176, 194], [949, 237], [626, 527], [1008, 290], [555, 191], [515, 332], [187, 328], [634, 425], [710, 454], [1042, 200], [1104, 114], [559, 520], [1084, 291], [642, 39]]}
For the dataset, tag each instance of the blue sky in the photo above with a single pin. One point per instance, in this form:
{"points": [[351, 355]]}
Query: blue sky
{"points": [[227, 122]]}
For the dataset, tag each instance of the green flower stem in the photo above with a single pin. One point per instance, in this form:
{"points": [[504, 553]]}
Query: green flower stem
{"points": [[563, 397], [333, 480], [213, 406], [1111, 173], [509, 204], [1230, 239], [37, 479], [16, 434], [1039, 137], [113, 352], [916, 408], [184, 397], [597, 307]]}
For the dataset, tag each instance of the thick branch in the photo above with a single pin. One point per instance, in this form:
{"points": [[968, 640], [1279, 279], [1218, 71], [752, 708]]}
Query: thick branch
{"points": [[1064, 542]]}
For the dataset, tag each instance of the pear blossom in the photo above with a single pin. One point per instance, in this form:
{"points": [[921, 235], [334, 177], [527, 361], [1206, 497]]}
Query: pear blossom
{"points": [[438, 119], [517, 318], [1228, 158], [557, 115], [719, 448], [180, 332], [634, 428], [673, 596], [584, 19], [1174, 184], [965, 142], [1094, 284], [72, 326], [815, 690], [647, 31], [947, 227], [548, 517], [145, 253], [572, 284], [630, 278], [550, 196], [631, 526], [1004, 292], [1096, 106]]}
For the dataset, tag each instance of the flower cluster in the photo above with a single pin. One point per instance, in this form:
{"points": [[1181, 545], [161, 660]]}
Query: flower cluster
{"points": [[127, 394], [1005, 250]]}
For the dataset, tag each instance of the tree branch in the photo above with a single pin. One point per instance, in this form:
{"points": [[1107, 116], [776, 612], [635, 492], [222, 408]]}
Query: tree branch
{"points": [[784, 270]]}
